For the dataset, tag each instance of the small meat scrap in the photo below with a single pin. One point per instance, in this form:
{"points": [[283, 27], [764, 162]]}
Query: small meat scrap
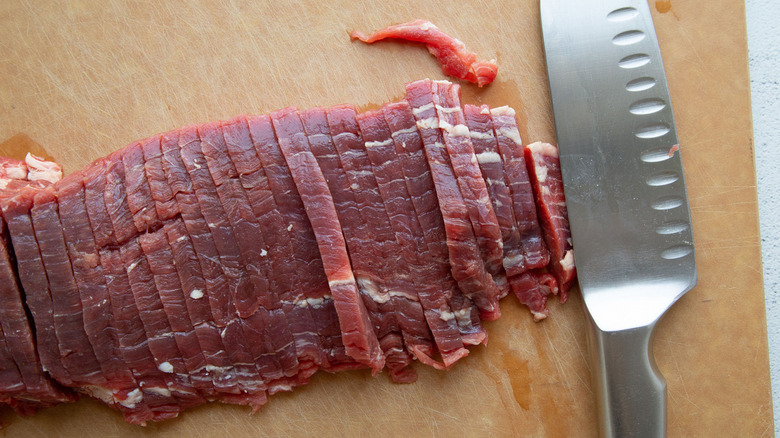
{"points": [[455, 59], [12, 169]]}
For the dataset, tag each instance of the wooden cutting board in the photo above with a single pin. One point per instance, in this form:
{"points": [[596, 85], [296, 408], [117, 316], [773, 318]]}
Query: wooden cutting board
{"points": [[79, 79]]}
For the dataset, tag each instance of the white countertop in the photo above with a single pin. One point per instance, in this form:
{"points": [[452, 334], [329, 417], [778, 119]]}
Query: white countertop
{"points": [[763, 24]]}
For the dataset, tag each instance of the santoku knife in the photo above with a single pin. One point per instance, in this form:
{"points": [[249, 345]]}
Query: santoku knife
{"points": [[625, 192]]}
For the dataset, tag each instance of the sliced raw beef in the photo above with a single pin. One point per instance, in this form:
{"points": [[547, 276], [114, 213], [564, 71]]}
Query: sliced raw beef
{"points": [[451, 53], [545, 171], [23, 383], [357, 331], [79, 357], [194, 291], [275, 347], [532, 288], [457, 140], [157, 252], [308, 304], [535, 253], [139, 193], [465, 258], [145, 404], [162, 194], [227, 257], [232, 260], [16, 212], [365, 226], [135, 349], [447, 312], [486, 149], [401, 220], [11, 383], [93, 292]]}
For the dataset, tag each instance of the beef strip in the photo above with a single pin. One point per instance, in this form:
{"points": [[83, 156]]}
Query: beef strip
{"points": [[213, 240], [79, 356], [486, 149], [24, 383], [457, 139], [397, 214], [545, 172], [357, 332], [131, 336], [439, 294], [308, 275], [464, 256], [96, 306], [334, 153], [510, 148], [139, 193]]}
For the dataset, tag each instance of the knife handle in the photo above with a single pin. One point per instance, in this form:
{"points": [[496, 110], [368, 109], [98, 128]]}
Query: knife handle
{"points": [[630, 391]]}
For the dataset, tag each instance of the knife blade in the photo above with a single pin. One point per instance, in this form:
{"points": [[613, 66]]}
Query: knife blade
{"points": [[625, 193]]}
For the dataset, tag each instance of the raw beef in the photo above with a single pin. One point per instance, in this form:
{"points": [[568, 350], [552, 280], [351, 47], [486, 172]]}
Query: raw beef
{"points": [[466, 261], [545, 171], [232, 260], [455, 59]]}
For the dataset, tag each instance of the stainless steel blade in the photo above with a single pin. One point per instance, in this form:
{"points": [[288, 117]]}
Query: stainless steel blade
{"points": [[625, 192]]}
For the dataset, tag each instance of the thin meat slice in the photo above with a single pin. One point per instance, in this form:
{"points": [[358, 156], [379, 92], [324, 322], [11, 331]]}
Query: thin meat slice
{"points": [[96, 307], [401, 256], [308, 275], [535, 252], [321, 310], [337, 154], [21, 372], [447, 315], [293, 326], [194, 289], [408, 142], [244, 372], [156, 327], [278, 345], [162, 343], [95, 179], [115, 194], [134, 346], [250, 241], [457, 140], [486, 149], [158, 252], [248, 236], [214, 279], [80, 359], [131, 337], [532, 289], [465, 258], [545, 171], [187, 204], [11, 383], [164, 202], [357, 332], [139, 194], [455, 59], [35, 286]]}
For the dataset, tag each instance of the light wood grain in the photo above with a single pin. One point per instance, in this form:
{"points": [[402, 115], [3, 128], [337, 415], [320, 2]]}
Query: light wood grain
{"points": [[82, 78]]}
